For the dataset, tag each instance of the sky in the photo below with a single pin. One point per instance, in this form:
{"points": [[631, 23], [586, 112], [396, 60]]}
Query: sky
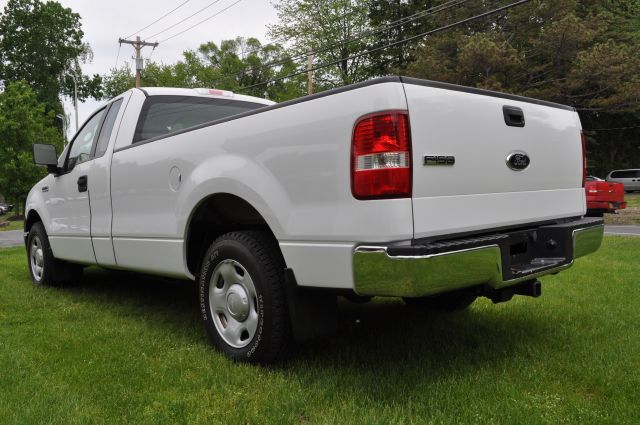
{"points": [[103, 22]]}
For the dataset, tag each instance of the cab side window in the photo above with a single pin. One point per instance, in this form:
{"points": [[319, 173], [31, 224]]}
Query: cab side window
{"points": [[107, 129], [83, 143]]}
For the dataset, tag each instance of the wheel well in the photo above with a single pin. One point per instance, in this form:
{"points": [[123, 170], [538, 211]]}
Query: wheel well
{"points": [[214, 216], [32, 218]]}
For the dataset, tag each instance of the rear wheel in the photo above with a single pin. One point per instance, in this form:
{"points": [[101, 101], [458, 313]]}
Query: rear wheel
{"points": [[450, 301], [44, 268], [242, 297]]}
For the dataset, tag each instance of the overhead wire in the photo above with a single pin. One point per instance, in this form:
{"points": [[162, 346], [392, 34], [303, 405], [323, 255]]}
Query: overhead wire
{"points": [[184, 19], [118, 56], [425, 13], [284, 39], [612, 128], [203, 21], [159, 19], [406, 40]]}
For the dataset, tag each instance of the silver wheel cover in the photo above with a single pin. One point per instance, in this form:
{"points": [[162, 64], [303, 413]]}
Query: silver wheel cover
{"points": [[36, 258], [233, 302]]}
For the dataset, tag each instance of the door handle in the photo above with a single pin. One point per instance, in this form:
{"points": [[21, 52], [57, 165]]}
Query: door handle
{"points": [[513, 116], [82, 183]]}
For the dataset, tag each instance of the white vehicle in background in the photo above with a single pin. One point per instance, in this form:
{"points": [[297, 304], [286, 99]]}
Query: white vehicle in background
{"points": [[395, 187], [629, 178]]}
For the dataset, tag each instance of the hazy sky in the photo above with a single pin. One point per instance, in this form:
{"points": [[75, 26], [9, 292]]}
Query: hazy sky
{"points": [[104, 22]]}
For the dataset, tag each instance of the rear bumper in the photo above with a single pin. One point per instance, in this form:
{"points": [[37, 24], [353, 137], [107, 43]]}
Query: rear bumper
{"points": [[498, 260], [605, 205]]}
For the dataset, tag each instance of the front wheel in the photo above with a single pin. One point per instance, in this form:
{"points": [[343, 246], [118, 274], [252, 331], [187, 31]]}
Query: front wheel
{"points": [[242, 297], [44, 268]]}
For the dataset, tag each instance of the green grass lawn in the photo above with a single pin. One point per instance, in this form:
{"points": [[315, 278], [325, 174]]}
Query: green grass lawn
{"points": [[632, 199], [629, 215], [128, 349], [13, 225]]}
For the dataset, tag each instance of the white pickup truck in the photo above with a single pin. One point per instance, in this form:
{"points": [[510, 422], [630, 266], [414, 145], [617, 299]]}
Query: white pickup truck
{"points": [[395, 187]]}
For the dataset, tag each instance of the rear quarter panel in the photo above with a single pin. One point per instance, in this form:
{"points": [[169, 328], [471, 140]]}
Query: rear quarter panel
{"points": [[291, 163]]}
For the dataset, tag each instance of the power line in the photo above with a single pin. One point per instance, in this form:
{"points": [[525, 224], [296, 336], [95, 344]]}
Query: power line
{"points": [[284, 39], [188, 17], [138, 45], [118, 55], [406, 40], [159, 19], [612, 128], [394, 24], [264, 46], [203, 21]]}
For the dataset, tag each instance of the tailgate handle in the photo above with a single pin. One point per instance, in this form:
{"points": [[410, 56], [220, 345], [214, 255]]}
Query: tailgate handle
{"points": [[513, 116]]}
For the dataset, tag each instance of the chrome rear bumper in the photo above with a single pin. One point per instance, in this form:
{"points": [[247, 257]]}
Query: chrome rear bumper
{"points": [[497, 260]]}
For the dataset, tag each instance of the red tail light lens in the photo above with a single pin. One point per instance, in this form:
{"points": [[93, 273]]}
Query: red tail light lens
{"points": [[381, 156], [584, 160]]}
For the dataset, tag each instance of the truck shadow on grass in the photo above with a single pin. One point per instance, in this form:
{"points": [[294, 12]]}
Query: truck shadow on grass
{"points": [[383, 334]]}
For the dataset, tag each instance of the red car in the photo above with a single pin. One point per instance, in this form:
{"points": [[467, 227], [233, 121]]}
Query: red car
{"points": [[603, 197]]}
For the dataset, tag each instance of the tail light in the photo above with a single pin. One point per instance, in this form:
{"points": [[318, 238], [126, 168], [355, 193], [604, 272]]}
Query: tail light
{"points": [[584, 160], [381, 156]]}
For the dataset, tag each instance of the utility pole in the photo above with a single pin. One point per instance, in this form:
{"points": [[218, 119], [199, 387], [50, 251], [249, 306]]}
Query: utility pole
{"points": [[310, 71], [75, 98], [137, 46], [75, 92]]}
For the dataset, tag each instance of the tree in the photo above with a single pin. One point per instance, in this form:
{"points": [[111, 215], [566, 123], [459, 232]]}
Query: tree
{"points": [[394, 21], [119, 80], [581, 53], [333, 30], [23, 121], [39, 42], [234, 65]]}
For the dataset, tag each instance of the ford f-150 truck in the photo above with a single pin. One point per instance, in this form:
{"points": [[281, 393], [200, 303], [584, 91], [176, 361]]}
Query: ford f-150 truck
{"points": [[395, 187]]}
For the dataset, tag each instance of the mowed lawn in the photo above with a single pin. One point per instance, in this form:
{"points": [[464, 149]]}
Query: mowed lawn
{"points": [[13, 225], [128, 349], [629, 215]]}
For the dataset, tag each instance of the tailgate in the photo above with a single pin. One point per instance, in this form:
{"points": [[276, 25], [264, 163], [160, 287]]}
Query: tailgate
{"points": [[472, 171], [598, 191]]}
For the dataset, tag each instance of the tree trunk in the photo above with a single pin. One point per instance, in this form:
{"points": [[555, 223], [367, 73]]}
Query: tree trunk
{"points": [[16, 208]]}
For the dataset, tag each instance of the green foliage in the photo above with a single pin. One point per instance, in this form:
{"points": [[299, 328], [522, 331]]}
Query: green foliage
{"points": [[323, 27], [584, 54], [385, 13], [23, 121], [38, 43], [231, 66], [118, 81], [581, 53]]}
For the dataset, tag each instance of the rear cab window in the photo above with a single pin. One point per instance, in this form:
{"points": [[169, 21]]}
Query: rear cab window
{"points": [[164, 115]]}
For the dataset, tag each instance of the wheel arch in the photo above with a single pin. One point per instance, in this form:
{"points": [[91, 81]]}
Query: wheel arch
{"points": [[31, 218], [214, 215]]}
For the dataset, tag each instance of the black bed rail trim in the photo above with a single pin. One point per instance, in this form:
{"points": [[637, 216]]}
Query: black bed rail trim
{"points": [[483, 92], [380, 80], [375, 81]]}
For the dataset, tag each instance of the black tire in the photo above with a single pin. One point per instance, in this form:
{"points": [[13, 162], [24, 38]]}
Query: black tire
{"points": [[257, 254], [450, 301], [53, 272]]}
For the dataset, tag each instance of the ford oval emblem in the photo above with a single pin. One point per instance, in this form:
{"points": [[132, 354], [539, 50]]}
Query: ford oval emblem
{"points": [[518, 161]]}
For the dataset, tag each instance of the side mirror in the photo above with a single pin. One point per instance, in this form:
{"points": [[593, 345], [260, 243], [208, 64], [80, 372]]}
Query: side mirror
{"points": [[46, 155]]}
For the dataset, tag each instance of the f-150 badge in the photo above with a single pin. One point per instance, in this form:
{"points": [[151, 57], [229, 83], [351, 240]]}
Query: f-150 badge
{"points": [[439, 160]]}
